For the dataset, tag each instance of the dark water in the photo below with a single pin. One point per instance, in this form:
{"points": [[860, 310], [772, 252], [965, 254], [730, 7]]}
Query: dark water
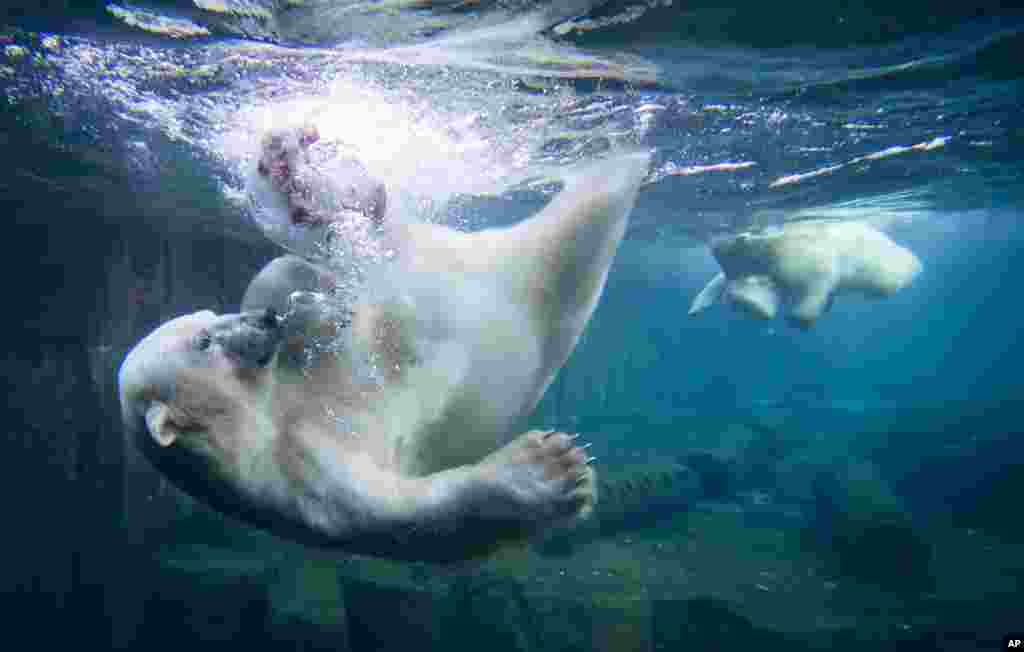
{"points": [[856, 486]]}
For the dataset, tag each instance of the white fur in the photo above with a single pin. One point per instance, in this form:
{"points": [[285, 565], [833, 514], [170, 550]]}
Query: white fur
{"points": [[400, 438], [805, 265]]}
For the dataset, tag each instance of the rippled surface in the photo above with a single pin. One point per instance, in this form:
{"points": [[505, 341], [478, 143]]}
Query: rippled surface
{"points": [[452, 105]]}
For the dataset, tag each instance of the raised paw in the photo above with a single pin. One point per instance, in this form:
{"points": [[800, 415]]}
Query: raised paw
{"points": [[544, 478]]}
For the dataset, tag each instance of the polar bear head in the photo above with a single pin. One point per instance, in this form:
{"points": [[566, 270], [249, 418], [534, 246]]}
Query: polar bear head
{"points": [[194, 397]]}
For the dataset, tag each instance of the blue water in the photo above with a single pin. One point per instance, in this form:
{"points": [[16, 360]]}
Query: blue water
{"points": [[139, 116]]}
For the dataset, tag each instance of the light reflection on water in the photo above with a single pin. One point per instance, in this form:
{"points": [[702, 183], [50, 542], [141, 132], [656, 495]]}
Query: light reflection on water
{"points": [[492, 104]]}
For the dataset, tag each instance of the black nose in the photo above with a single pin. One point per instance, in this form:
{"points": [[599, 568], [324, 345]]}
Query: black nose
{"points": [[269, 320], [266, 320]]}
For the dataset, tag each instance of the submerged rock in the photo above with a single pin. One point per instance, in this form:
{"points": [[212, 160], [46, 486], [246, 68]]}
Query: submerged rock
{"points": [[631, 497], [863, 532]]}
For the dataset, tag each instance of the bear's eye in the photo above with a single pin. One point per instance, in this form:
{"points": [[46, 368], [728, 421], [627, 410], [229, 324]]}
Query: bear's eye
{"points": [[203, 341]]}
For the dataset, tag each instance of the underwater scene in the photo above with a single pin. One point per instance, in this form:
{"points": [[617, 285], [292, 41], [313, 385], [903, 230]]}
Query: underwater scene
{"points": [[515, 325]]}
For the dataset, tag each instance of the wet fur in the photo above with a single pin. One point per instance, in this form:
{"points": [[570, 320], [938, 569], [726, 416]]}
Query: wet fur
{"points": [[803, 266], [400, 439]]}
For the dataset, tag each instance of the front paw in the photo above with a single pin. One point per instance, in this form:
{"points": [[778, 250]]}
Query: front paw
{"points": [[545, 479]]}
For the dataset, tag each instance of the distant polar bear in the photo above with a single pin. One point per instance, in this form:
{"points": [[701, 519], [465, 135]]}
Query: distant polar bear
{"points": [[806, 264], [392, 431]]}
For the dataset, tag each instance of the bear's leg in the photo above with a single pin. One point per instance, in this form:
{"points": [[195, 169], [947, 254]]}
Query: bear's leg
{"points": [[758, 295], [711, 294], [815, 299], [540, 479], [575, 237], [525, 464]]}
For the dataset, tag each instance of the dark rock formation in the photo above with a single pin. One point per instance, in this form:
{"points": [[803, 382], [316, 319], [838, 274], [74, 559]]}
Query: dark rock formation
{"points": [[83, 283], [863, 532], [630, 497]]}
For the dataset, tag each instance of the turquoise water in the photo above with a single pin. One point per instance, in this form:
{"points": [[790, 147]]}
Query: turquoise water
{"points": [[855, 486]]}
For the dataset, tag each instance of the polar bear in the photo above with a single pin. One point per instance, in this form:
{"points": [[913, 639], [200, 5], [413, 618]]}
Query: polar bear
{"points": [[301, 206], [806, 264], [384, 422]]}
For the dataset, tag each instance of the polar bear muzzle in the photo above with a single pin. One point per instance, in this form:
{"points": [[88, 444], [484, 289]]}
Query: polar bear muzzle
{"points": [[251, 338]]}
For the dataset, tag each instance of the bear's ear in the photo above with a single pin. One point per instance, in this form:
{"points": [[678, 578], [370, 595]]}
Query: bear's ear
{"points": [[161, 427]]}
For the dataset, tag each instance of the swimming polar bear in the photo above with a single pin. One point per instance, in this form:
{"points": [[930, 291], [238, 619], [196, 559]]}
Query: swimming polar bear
{"points": [[806, 264], [391, 430]]}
